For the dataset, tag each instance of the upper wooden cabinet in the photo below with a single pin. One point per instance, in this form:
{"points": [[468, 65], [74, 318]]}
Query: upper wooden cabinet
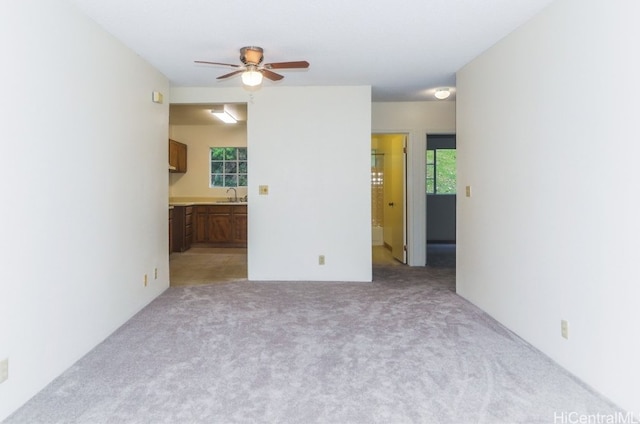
{"points": [[177, 156]]}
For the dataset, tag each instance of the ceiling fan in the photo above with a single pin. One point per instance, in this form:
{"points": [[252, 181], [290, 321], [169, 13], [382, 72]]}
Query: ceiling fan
{"points": [[252, 68]]}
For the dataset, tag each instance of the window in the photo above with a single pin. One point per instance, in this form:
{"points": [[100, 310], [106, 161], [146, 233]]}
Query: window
{"points": [[441, 171], [228, 167]]}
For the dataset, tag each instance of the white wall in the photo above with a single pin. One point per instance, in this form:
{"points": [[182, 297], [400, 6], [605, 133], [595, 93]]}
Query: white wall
{"points": [[84, 190], [312, 147], [548, 140], [417, 119], [199, 139]]}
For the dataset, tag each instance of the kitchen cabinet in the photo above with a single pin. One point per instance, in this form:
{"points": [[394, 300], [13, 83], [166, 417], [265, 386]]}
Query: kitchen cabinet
{"points": [[239, 224], [182, 228], [221, 225], [170, 229], [177, 156]]}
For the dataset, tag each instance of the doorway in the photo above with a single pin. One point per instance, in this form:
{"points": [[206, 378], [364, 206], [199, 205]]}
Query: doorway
{"points": [[441, 196], [214, 187], [388, 197]]}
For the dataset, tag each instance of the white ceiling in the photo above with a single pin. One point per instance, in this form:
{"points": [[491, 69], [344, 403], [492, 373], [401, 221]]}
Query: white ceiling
{"points": [[404, 50]]}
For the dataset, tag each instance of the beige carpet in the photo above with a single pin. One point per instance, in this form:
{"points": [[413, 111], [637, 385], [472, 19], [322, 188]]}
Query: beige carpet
{"points": [[402, 349]]}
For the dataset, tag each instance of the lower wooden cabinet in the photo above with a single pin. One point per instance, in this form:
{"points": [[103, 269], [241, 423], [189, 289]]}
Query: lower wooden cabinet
{"points": [[170, 230], [239, 224], [182, 228], [221, 225]]}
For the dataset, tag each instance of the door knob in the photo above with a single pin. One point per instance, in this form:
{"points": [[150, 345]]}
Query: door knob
{"points": [[391, 204]]}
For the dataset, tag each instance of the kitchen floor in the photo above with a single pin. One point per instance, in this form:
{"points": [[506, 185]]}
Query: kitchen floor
{"points": [[206, 265]]}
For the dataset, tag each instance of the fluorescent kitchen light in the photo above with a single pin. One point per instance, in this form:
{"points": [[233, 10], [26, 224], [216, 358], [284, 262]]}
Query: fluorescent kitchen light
{"points": [[222, 114]]}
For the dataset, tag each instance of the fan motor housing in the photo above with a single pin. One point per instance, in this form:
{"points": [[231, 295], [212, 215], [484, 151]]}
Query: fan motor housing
{"points": [[251, 55]]}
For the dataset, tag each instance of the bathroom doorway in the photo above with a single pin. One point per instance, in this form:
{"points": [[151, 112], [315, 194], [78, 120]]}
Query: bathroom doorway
{"points": [[388, 196]]}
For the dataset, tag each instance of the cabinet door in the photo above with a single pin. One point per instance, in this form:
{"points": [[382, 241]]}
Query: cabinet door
{"points": [[182, 157], [178, 229], [200, 224], [170, 230], [188, 227], [178, 156], [240, 225], [219, 228], [173, 154]]}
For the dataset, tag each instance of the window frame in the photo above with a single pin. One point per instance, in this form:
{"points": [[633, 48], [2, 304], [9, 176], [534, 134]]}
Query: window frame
{"points": [[437, 143], [229, 166]]}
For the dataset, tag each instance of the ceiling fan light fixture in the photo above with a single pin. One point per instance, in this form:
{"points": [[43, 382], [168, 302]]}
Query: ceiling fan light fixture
{"points": [[252, 77], [442, 93], [221, 113], [252, 70]]}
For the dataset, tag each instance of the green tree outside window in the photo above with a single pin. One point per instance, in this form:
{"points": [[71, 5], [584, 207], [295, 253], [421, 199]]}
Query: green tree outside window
{"points": [[228, 167]]}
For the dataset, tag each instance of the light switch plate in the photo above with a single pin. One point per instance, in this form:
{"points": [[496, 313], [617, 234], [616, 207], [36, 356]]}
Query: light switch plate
{"points": [[564, 328], [468, 191], [157, 97]]}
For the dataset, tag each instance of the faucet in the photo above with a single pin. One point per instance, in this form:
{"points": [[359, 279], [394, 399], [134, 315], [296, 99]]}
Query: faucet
{"points": [[235, 194]]}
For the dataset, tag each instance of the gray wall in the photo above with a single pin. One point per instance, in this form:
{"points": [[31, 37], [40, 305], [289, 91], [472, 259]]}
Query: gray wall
{"points": [[441, 218], [441, 208]]}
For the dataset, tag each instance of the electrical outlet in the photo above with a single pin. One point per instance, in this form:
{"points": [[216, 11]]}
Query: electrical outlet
{"points": [[155, 273], [4, 370], [564, 329], [321, 260], [145, 280], [467, 190]]}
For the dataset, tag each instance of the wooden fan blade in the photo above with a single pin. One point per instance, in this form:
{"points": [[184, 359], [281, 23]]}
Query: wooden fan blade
{"points": [[217, 63], [290, 65], [230, 74], [271, 75]]}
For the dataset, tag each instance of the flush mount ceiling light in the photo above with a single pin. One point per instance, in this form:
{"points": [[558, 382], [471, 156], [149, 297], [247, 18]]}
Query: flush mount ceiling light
{"points": [[442, 93], [221, 113]]}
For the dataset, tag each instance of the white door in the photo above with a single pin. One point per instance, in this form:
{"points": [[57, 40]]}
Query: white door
{"points": [[397, 203]]}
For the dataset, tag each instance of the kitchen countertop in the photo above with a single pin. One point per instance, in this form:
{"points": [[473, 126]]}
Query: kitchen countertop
{"points": [[202, 201]]}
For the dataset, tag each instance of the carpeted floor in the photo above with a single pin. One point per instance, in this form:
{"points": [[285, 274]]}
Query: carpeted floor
{"points": [[403, 349]]}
